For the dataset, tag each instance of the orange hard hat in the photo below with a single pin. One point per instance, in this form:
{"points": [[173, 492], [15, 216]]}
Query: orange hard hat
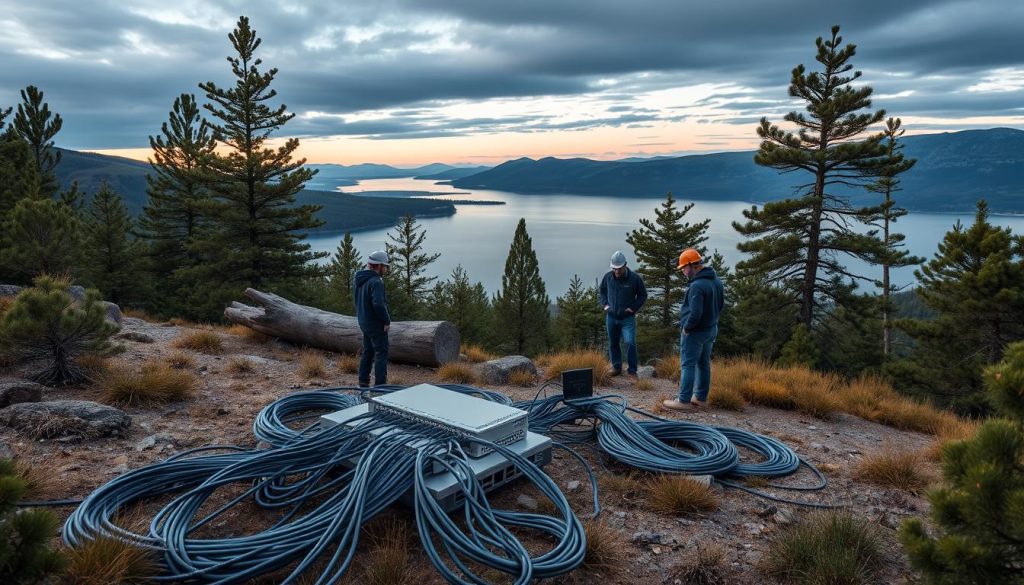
{"points": [[689, 256]]}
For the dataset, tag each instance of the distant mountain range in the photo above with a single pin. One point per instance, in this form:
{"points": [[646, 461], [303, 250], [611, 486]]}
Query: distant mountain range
{"points": [[953, 171]]}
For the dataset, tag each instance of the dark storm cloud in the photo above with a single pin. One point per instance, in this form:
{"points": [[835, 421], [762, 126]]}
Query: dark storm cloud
{"points": [[112, 69]]}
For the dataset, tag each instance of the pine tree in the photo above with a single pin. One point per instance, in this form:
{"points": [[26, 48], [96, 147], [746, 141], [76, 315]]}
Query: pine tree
{"points": [[408, 285], [979, 510], [46, 324], [173, 218], [727, 342], [521, 306], [975, 284], [341, 274], [41, 236], [111, 254], [580, 321], [763, 315], [800, 350], [257, 232], [37, 125], [894, 164], [657, 245], [19, 178], [798, 242], [25, 554], [464, 304]]}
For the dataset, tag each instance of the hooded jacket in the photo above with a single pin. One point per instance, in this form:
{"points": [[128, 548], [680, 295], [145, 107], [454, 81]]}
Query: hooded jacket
{"points": [[704, 301], [623, 293], [371, 302]]}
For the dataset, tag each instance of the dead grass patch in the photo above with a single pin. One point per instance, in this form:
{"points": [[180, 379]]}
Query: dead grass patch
{"points": [[522, 378], [94, 364], [476, 354], [605, 552], [676, 495], [957, 429], [106, 560], [457, 373], [239, 366], [667, 368], [706, 566], [348, 364], [312, 365], [388, 561], [726, 398], [39, 478], [576, 360], [826, 548], [645, 385], [628, 486], [247, 334], [905, 470], [154, 382], [202, 341], [139, 314], [180, 360]]}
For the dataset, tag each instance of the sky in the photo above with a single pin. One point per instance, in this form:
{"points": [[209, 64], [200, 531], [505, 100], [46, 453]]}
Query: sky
{"points": [[410, 82]]}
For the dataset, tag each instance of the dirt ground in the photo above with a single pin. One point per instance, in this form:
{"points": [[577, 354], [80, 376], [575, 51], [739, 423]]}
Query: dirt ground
{"points": [[656, 545]]}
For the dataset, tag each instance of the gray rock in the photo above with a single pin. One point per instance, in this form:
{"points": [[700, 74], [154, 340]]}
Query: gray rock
{"points": [[5, 451], [152, 441], [66, 419], [527, 502], [9, 290], [647, 538], [704, 480], [496, 372], [572, 485], [645, 372], [135, 336], [20, 391]]}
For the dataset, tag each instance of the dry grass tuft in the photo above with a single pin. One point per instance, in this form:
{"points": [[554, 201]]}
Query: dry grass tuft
{"points": [[627, 486], [180, 360], [726, 398], [457, 373], [247, 334], [107, 560], [958, 429], [522, 378], [579, 359], [675, 495], [5, 304], [154, 383], [348, 364], [388, 561], [645, 385], [202, 341], [605, 551], [476, 354], [139, 314], [94, 364], [903, 470], [39, 478], [239, 366], [667, 368], [706, 566], [827, 548], [178, 322], [312, 365]]}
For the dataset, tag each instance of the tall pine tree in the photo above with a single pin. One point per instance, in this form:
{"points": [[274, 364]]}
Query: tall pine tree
{"points": [[256, 239], [657, 245], [798, 243], [521, 306], [465, 304], [37, 125], [112, 255], [579, 322], [40, 236], [341, 274], [179, 196], [408, 283], [975, 285], [894, 163]]}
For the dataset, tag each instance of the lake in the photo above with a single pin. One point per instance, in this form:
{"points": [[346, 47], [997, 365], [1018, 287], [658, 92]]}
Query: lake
{"points": [[576, 234]]}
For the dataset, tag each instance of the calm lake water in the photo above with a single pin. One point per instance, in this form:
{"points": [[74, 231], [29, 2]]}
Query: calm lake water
{"points": [[574, 234]]}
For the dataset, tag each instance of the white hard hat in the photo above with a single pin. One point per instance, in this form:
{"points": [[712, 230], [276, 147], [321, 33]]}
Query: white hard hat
{"points": [[378, 257], [618, 259]]}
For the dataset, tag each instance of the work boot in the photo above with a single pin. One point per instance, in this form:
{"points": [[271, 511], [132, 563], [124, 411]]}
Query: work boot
{"points": [[616, 371], [699, 403], [674, 404]]}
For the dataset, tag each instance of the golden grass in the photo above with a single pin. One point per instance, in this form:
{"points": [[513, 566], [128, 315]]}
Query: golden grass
{"points": [[239, 366], [580, 359], [93, 364], [388, 562], [675, 495], [522, 378], [605, 552], [180, 360], [202, 341], [955, 430], [348, 364], [39, 478], [178, 322], [139, 314], [627, 485], [247, 333], [667, 368], [457, 373], [705, 566], [475, 353], [726, 398], [645, 385], [903, 470], [5, 304], [312, 365], [106, 560], [154, 383]]}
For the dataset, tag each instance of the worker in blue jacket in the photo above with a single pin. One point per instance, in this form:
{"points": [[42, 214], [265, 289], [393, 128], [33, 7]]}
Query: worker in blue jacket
{"points": [[622, 294], [698, 323], [374, 319]]}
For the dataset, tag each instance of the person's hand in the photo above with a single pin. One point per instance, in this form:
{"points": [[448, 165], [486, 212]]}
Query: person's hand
{"points": [[629, 311], [606, 307], [387, 327]]}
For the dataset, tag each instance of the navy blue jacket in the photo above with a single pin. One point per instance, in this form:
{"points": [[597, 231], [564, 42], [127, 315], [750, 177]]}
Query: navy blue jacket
{"points": [[623, 293], [704, 301], [371, 302]]}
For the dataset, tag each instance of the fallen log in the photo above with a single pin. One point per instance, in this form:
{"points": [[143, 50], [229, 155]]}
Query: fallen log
{"points": [[425, 343]]}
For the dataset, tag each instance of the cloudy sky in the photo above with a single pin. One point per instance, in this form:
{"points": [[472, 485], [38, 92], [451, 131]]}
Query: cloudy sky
{"points": [[482, 81]]}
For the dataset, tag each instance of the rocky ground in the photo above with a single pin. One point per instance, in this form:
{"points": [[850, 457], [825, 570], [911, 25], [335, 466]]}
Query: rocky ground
{"points": [[656, 545]]}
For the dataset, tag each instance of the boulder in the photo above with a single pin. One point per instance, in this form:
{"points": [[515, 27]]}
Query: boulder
{"points": [[134, 336], [20, 391], [645, 372], [496, 372], [5, 451], [66, 419]]}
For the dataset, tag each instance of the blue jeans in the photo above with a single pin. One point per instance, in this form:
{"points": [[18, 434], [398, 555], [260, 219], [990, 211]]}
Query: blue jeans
{"points": [[695, 363], [375, 353], [624, 329]]}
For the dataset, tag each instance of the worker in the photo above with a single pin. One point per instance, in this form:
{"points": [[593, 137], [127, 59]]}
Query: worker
{"points": [[622, 294], [374, 319]]}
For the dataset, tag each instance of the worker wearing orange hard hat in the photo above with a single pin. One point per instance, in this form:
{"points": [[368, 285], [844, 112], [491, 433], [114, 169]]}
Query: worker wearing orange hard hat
{"points": [[698, 322]]}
